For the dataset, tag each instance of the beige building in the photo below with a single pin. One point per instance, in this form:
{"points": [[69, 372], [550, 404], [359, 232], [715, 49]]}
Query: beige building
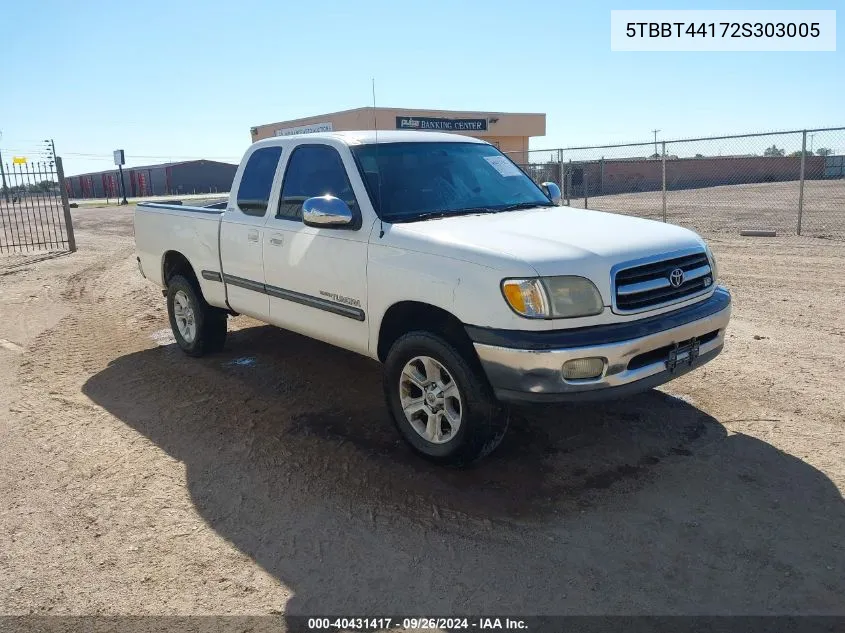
{"points": [[509, 131]]}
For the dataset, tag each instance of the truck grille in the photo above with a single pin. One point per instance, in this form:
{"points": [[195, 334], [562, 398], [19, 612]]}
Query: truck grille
{"points": [[655, 284]]}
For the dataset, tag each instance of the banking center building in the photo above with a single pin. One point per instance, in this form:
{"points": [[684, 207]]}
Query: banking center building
{"points": [[509, 131]]}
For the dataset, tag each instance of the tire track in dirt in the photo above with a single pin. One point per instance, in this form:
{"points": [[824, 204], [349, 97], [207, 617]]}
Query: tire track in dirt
{"points": [[152, 482]]}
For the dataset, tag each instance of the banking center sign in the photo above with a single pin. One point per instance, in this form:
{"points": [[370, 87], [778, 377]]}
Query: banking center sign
{"points": [[438, 124]]}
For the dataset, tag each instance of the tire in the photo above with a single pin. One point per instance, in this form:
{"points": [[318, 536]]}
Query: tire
{"points": [[209, 323], [483, 420]]}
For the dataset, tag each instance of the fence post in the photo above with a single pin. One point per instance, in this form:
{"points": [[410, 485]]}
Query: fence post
{"points": [[601, 176], [560, 168], [663, 165], [801, 179], [60, 172], [585, 181], [568, 183]]}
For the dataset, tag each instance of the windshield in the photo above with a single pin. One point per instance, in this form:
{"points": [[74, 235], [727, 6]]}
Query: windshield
{"points": [[425, 180]]}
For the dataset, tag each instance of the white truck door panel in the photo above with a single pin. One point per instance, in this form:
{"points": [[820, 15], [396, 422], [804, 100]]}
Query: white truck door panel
{"points": [[242, 233], [317, 277], [317, 284]]}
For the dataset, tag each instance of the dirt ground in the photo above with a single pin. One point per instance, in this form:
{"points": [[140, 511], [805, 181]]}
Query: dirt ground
{"points": [[268, 479]]}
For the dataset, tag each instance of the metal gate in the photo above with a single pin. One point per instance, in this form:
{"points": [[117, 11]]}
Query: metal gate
{"points": [[34, 209]]}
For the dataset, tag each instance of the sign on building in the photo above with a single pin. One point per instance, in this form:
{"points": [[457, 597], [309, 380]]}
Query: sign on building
{"points": [[304, 129], [439, 124]]}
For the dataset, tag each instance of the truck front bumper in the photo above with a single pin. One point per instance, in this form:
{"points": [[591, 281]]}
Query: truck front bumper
{"points": [[637, 355]]}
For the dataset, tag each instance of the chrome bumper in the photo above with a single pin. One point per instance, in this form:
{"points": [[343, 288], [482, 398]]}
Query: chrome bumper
{"points": [[519, 374]]}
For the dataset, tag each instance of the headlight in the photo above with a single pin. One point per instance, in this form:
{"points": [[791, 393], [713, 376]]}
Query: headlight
{"points": [[714, 269], [552, 297], [573, 296]]}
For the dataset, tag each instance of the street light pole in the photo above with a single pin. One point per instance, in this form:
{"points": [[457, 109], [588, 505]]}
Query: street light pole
{"points": [[122, 184], [655, 142]]}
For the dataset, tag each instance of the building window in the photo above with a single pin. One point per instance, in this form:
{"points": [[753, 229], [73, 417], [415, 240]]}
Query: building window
{"points": [[257, 180]]}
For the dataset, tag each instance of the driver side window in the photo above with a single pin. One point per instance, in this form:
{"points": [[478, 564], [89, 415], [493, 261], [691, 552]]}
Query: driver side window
{"points": [[313, 170]]}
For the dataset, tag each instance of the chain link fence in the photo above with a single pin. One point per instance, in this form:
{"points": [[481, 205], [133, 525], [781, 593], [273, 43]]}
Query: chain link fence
{"points": [[785, 183]]}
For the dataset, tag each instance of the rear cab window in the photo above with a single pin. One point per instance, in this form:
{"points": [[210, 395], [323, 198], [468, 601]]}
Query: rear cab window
{"points": [[257, 181]]}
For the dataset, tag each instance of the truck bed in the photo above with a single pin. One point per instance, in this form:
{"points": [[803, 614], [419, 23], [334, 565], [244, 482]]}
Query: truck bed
{"points": [[192, 231]]}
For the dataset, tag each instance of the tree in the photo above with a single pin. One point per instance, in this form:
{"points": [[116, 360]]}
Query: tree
{"points": [[798, 153], [775, 151], [824, 151], [699, 155]]}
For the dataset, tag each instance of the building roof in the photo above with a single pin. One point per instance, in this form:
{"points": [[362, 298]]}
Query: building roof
{"points": [[156, 166], [418, 111], [369, 137]]}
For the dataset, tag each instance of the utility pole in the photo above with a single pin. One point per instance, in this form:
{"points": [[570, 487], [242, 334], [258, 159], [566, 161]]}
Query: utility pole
{"points": [[811, 142], [50, 148], [655, 143], [3, 175]]}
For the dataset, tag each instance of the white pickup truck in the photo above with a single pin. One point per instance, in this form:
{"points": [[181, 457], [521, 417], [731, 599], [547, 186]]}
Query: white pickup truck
{"points": [[436, 255]]}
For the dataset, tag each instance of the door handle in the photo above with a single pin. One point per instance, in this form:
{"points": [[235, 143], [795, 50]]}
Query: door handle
{"points": [[277, 240], [252, 236]]}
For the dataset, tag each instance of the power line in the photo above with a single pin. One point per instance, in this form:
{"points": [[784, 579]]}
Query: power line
{"points": [[92, 156], [159, 156]]}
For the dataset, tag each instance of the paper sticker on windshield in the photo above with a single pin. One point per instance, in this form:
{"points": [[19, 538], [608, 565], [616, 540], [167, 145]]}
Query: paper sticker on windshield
{"points": [[503, 166]]}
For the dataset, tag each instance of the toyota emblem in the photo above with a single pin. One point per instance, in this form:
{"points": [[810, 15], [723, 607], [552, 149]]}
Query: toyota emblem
{"points": [[676, 277]]}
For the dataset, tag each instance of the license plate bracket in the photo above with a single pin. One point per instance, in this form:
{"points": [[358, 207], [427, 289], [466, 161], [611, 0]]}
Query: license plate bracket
{"points": [[683, 353]]}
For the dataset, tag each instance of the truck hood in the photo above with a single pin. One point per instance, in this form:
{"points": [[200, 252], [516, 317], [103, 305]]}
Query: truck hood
{"points": [[555, 240]]}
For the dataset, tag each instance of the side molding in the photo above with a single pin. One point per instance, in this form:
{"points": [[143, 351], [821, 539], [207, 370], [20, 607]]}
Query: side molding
{"points": [[319, 303]]}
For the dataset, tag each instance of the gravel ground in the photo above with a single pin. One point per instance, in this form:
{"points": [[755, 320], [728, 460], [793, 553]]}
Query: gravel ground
{"points": [[268, 479]]}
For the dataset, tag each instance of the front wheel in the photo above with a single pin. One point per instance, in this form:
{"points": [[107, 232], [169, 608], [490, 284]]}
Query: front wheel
{"points": [[197, 327], [440, 402]]}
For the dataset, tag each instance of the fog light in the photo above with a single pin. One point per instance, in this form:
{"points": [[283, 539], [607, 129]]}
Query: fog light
{"points": [[582, 368]]}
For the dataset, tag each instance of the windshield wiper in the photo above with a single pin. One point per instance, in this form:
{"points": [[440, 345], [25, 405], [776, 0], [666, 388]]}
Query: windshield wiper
{"points": [[433, 215], [445, 213], [524, 205]]}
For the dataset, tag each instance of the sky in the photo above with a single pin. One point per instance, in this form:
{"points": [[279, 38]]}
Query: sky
{"points": [[187, 79]]}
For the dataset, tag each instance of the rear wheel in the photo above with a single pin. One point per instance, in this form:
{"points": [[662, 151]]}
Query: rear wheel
{"points": [[197, 327], [440, 402]]}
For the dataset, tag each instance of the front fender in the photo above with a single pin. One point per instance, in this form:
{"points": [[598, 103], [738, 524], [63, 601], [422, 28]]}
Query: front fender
{"points": [[471, 292]]}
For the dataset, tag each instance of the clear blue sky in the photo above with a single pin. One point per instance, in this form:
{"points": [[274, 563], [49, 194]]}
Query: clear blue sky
{"points": [[187, 79]]}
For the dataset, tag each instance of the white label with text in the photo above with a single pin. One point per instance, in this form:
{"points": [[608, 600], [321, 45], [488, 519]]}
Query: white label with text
{"points": [[723, 30]]}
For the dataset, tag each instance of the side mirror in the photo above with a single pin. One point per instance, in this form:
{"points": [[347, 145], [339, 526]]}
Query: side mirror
{"points": [[325, 212], [553, 191]]}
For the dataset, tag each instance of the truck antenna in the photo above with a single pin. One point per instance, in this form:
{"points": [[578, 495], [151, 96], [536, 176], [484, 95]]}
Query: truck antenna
{"points": [[378, 166]]}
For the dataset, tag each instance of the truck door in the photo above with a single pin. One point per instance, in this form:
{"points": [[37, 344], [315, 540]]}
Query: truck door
{"points": [[317, 277], [242, 234]]}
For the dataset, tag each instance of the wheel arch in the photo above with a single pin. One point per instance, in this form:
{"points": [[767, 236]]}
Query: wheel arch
{"points": [[175, 263], [407, 316]]}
